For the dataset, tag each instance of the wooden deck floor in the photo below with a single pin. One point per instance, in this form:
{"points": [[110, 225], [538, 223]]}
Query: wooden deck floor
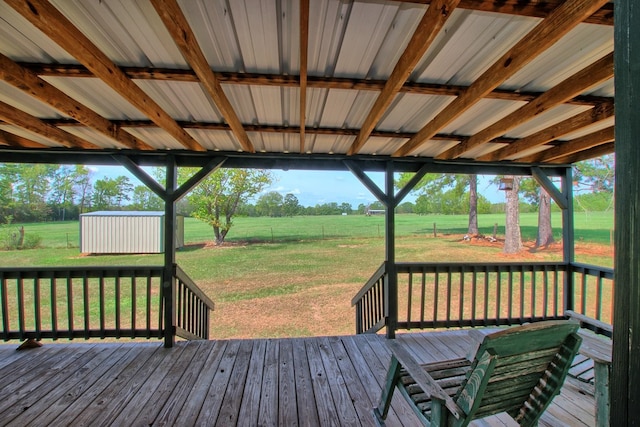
{"points": [[269, 382]]}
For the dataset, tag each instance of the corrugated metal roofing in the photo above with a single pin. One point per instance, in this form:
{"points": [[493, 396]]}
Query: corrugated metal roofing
{"points": [[360, 41]]}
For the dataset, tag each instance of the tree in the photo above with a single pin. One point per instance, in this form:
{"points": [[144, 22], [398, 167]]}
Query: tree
{"points": [[538, 196], [545, 231], [146, 200], [110, 193], [270, 204], [291, 205], [473, 205], [513, 238], [217, 198], [82, 186]]}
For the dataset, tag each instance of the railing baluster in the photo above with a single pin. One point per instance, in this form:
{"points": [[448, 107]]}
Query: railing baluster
{"points": [[54, 306], [134, 306], [21, 326], [148, 328], [545, 298], [448, 306], [436, 294], [498, 292], [69, 302], [474, 294], [598, 313], [87, 310], [461, 298], [36, 308], [409, 295], [423, 295], [103, 332], [533, 295], [485, 315], [5, 307], [510, 295]]}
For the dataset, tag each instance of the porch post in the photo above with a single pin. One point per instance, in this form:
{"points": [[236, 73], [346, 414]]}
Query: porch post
{"points": [[168, 287], [390, 252], [625, 392], [568, 238]]}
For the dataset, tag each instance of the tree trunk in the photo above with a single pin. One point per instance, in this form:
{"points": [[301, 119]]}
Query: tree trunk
{"points": [[545, 232], [473, 205], [512, 238]]}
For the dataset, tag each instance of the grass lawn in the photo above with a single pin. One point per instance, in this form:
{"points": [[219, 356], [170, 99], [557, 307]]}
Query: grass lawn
{"points": [[279, 277]]}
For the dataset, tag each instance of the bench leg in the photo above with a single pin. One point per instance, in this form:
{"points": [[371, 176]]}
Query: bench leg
{"points": [[393, 375], [601, 379]]}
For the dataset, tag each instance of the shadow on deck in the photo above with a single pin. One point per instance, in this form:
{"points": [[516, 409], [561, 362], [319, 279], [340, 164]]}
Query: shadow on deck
{"points": [[284, 382]]}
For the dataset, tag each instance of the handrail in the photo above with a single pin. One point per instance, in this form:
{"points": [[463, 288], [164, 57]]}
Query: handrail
{"points": [[437, 295], [193, 308], [80, 302], [371, 303]]}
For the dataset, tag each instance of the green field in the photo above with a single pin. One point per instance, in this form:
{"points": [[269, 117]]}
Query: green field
{"points": [[296, 276]]}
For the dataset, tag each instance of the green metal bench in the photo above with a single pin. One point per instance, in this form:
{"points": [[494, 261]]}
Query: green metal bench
{"points": [[518, 371]]}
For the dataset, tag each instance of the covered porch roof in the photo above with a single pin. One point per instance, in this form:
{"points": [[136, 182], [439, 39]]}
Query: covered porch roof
{"points": [[501, 82]]}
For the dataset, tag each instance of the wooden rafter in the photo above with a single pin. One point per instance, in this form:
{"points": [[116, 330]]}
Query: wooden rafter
{"points": [[596, 73], [432, 21], [24, 120], [597, 151], [564, 18], [304, 53], [12, 140], [30, 83], [177, 25], [56, 26], [536, 8], [568, 148], [315, 82], [554, 131]]}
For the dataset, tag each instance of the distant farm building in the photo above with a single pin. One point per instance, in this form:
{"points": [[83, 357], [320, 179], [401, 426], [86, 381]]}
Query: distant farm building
{"points": [[126, 232]]}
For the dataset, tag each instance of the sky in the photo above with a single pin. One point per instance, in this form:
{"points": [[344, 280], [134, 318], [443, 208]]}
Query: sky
{"points": [[318, 187]]}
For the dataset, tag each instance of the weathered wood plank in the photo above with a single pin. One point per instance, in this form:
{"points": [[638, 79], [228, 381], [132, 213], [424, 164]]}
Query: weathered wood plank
{"points": [[287, 410], [79, 397], [28, 380], [188, 414], [147, 388], [108, 402], [146, 411], [362, 401], [233, 395], [250, 405], [338, 385], [339, 393], [93, 363], [268, 415], [327, 412], [213, 400], [307, 412]]}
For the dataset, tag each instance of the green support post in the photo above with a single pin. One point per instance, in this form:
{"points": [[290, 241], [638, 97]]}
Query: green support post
{"points": [[168, 281]]}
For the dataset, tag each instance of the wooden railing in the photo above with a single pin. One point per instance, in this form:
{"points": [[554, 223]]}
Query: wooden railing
{"points": [[371, 303], [193, 308], [457, 295], [593, 291], [97, 302]]}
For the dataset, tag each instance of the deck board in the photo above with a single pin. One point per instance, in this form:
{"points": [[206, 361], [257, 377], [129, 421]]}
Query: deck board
{"points": [[328, 381]]}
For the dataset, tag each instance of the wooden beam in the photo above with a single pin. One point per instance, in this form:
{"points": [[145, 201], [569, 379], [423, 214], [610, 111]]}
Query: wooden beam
{"points": [[56, 26], [432, 21], [555, 131], [597, 151], [212, 165], [143, 176], [175, 21], [415, 179], [536, 8], [625, 371], [304, 53], [12, 140], [564, 18], [596, 73], [27, 121], [544, 181], [367, 182], [570, 147], [278, 80], [30, 83]]}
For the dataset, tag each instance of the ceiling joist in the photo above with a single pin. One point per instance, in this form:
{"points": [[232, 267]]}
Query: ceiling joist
{"points": [[558, 23], [58, 28], [432, 21], [30, 83], [568, 148], [177, 25], [596, 73]]}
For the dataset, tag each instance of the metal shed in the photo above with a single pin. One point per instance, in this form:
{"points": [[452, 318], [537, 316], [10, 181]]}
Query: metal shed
{"points": [[125, 232]]}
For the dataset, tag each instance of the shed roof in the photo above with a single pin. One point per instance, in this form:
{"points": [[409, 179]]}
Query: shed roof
{"points": [[473, 80], [124, 213]]}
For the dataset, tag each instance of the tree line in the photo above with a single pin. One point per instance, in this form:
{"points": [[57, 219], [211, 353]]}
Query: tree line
{"points": [[40, 192]]}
